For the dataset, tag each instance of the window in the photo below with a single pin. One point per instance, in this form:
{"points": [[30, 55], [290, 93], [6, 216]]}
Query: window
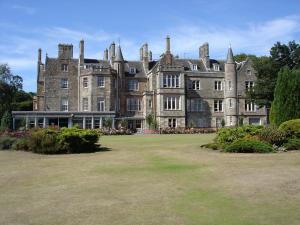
{"points": [[249, 85], [230, 103], [200, 122], [218, 85], [218, 105], [133, 104], [250, 106], [171, 81], [64, 67], [254, 121], [64, 104], [194, 67], [196, 105], [132, 70], [194, 85], [230, 121], [133, 85], [150, 103], [249, 72], [172, 122], [229, 85], [85, 104], [88, 123], [216, 67], [96, 122], [100, 81], [100, 105], [138, 124], [64, 83], [85, 82], [171, 103]]}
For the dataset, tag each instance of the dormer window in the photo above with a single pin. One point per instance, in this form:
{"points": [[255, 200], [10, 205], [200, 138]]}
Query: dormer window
{"points": [[194, 67], [249, 72], [216, 67], [132, 70], [64, 67]]}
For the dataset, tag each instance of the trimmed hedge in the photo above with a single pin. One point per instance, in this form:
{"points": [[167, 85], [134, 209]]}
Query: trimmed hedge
{"points": [[229, 135], [247, 146], [44, 141], [291, 127]]}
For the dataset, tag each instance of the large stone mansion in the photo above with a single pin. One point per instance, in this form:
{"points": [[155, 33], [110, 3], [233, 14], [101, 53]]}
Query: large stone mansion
{"points": [[177, 92]]}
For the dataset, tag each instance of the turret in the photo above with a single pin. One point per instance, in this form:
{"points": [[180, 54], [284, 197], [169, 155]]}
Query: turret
{"points": [[105, 55], [204, 54], [112, 51], [81, 55], [144, 55], [230, 91]]}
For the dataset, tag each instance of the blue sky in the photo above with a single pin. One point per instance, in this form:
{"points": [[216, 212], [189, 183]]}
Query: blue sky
{"points": [[250, 26]]}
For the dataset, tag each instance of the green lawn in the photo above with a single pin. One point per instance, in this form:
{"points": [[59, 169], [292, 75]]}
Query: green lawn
{"points": [[167, 179]]}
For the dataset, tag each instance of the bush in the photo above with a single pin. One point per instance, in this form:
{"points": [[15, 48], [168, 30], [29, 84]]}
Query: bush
{"points": [[293, 144], [272, 136], [21, 144], [229, 135], [75, 140], [213, 146], [44, 141], [6, 121], [6, 142], [244, 146], [291, 127]]}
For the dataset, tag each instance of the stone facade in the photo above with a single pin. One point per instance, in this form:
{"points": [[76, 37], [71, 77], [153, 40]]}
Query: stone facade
{"points": [[178, 92]]}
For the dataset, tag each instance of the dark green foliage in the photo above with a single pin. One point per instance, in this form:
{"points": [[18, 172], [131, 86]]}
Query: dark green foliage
{"points": [[247, 146], [272, 136], [242, 57], [44, 141], [151, 121], [223, 122], [74, 140], [291, 127], [286, 104], [229, 135], [21, 144], [107, 122], [213, 146], [6, 121], [6, 143], [293, 144]]}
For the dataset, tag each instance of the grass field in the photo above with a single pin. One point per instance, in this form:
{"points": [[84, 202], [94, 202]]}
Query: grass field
{"points": [[155, 180]]}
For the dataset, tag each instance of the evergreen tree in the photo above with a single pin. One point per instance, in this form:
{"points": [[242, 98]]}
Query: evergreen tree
{"points": [[6, 121], [286, 104]]}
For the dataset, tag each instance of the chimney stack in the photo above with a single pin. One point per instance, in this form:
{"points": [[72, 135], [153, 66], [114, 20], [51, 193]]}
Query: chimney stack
{"points": [[105, 55], [40, 55], [168, 46], [81, 56]]}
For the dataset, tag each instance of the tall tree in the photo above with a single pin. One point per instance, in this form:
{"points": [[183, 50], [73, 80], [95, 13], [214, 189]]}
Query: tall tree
{"points": [[286, 104], [10, 84]]}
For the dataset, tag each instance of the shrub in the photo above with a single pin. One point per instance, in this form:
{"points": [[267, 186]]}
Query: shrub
{"points": [[21, 144], [44, 141], [291, 127], [244, 146], [6, 142], [272, 136], [213, 146], [293, 144], [74, 140], [229, 135], [6, 121]]}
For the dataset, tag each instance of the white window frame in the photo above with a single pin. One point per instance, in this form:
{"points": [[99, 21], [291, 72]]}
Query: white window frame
{"points": [[230, 103], [194, 67], [171, 81], [100, 104], [64, 105], [229, 85], [250, 106], [101, 81], [172, 103], [218, 105], [132, 70], [196, 85], [249, 85], [195, 105], [85, 82], [218, 85], [216, 67], [85, 104], [172, 122], [133, 104], [64, 67], [133, 85], [64, 83]]}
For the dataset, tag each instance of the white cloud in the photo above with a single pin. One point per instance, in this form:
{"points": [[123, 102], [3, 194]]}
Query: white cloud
{"points": [[25, 9]]}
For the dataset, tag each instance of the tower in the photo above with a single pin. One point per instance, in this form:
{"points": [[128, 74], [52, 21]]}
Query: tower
{"points": [[118, 65], [230, 91]]}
